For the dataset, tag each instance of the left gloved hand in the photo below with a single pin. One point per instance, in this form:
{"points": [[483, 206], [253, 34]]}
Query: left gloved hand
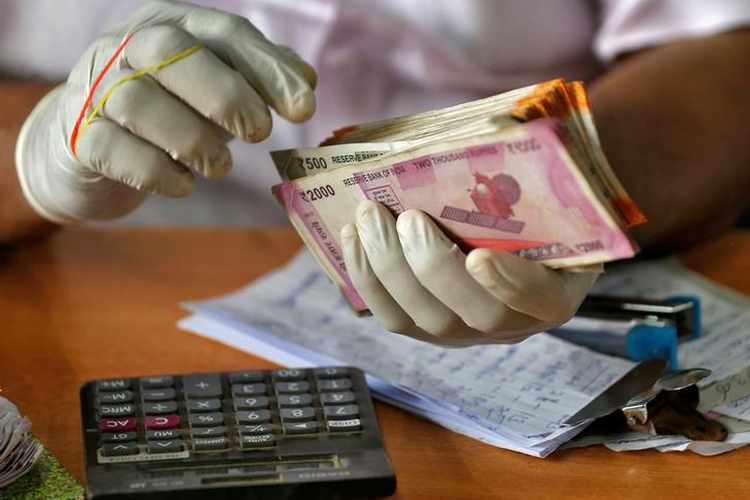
{"points": [[153, 104], [419, 283]]}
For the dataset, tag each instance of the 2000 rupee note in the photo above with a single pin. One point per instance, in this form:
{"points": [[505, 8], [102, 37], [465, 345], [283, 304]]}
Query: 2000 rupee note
{"points": [[517, 189]]}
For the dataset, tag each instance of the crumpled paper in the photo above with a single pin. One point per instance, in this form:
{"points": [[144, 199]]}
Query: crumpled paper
{"points": [[18, 450]]}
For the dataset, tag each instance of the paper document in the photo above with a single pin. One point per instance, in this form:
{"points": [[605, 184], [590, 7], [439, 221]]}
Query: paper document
{"points": [[724, 347], [513, 397], [510, 396]]}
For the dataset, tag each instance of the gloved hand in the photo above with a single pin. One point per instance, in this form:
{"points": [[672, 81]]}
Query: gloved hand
{"points": [[209, 76], [418, 282]]}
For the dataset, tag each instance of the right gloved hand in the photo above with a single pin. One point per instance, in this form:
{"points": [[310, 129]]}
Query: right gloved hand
{"points": [[153, 132], [417, 282]]}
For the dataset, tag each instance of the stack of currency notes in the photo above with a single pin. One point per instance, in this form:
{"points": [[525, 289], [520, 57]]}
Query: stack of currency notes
{"points": [[18, 450], [521, 171]]}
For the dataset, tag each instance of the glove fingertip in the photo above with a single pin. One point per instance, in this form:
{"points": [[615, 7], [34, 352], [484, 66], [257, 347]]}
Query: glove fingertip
{"points": [[408, 219], [483, 272], [260, 125], [179, 186], [478, 262], [348, 233], [366, 210], [310, 75], [217, 165], [299, 64], [299, 107]]}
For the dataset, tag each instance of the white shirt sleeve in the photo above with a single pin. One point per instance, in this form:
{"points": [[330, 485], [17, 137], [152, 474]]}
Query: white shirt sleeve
{"points": [[628, 25], [45, 38]]}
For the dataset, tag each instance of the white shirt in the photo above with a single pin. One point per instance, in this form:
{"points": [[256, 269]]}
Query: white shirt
{"points": [[374, 60]]}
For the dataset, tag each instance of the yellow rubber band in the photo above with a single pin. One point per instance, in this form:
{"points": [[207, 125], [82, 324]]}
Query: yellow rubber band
{"points": [[133, 76]]}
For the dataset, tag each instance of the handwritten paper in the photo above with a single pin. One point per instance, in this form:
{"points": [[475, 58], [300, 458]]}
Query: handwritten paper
{"points": [[724, 348], [725, 345], [513, 396], [729, 394]]}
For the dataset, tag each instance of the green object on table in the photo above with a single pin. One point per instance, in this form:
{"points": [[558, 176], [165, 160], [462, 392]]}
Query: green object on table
{"points": [[47, 480]]}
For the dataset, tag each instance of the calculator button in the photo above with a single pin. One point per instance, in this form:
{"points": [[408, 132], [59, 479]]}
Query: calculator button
{"points": [[117, 424], [297, 414], [160, 408], [257, 429], [170, 446], [251, 403], [292, 387], [353, 424], [249, 389], [165, 434], [115, 397], [161, 422], [301, 427], [202, 385], [253, 417], [211, 443], [200, 405], [331, 372], [126, 410], [344, 412], [289, 374], [246, 377], [338, 384], [115, 384], [292, 400], [118, 437], [159, 395], [208, 431], [259, 441], [206, 419], [118, 449], [337, 398], [157, 382]]}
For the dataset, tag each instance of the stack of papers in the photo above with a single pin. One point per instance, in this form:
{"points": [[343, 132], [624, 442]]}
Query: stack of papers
{"points": [[515, 397], [724, 348], [510, 396], [18, 450]]}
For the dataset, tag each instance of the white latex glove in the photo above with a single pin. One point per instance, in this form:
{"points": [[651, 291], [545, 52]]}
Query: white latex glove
{"points": [[156, 131], [418, 283]]}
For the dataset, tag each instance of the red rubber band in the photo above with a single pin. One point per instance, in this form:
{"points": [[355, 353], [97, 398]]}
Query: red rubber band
{"points": [[90, 96]]}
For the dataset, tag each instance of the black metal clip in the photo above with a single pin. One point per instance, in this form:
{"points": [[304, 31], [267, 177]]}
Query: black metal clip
{"points": [[668, 408]]}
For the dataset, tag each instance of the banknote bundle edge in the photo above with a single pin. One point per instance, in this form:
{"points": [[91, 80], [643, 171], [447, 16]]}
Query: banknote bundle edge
{"points": [[551, 106]]}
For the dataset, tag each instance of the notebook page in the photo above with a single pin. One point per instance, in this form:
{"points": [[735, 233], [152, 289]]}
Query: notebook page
{"points": [[725, 345], [522, 392]]}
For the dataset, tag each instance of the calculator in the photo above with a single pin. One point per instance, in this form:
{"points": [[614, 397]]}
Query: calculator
{"points": [[254, 434]]}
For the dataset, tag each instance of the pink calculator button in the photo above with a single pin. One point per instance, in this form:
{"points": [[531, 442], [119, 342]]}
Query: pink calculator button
{"points": [[117, 424], [161, 422]]}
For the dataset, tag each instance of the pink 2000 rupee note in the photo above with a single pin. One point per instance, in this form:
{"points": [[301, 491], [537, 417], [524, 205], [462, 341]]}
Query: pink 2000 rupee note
{"points": [[516, 190]]}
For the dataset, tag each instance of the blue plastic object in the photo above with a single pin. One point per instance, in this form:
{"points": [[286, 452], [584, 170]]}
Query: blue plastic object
{"points": [[645, 341], [637, 338], [639, 342]]}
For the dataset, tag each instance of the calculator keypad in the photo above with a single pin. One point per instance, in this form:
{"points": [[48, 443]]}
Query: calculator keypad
{"points": [[167, 417]]}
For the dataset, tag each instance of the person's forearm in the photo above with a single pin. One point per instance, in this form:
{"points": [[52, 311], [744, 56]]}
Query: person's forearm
{"points": [[17, 219], [675, 124]]}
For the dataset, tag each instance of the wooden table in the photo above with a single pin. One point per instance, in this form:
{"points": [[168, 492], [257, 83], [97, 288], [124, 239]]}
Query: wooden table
{"points": [[87, 304]]}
